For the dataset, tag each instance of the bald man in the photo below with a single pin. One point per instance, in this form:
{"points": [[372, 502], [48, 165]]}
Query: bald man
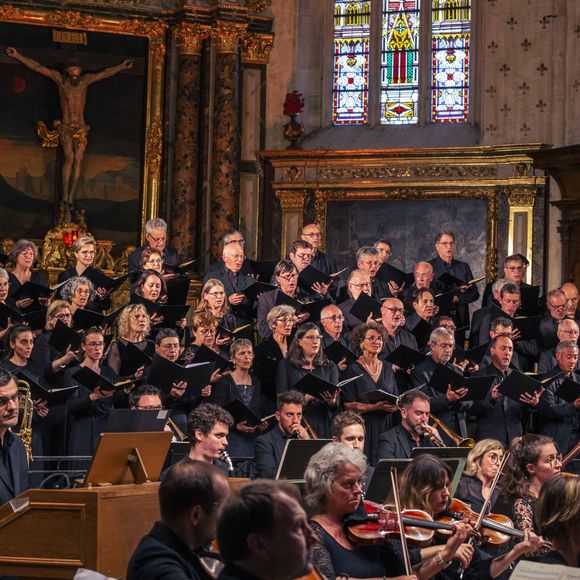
{"points": [[321, 261]]}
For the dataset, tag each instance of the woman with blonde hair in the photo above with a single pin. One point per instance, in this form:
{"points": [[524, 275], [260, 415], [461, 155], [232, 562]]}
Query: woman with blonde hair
{"points": [[133, 326], [214, 302], [483, 463], [558, 517]]}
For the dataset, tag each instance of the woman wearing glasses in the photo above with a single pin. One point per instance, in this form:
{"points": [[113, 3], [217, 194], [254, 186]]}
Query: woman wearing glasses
{"points": [[23, 255], [373, 374], [84, 251], [78, 292], [286, 276], [306, 356], [271, 351], [213, 302], [483, 462], [534, 461], [88, 410]]}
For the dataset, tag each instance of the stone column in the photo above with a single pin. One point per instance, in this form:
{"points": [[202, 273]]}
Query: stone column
{"points": [[226, 133], [184, 201]]}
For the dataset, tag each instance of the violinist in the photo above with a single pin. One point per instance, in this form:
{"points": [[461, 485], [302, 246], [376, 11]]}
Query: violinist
{"points": [[190, 497], [534, 461], [424, 485], [558, 516], [483, 462], [263, 533], [334, 490]]}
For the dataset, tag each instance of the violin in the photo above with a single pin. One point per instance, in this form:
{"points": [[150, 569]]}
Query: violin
{"points": [[497, 529], [382, 524]]}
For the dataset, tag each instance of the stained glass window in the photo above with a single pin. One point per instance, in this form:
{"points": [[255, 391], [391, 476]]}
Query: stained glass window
{"points": [[351, 62], [450, 49], [423, 65], [400, 62]]}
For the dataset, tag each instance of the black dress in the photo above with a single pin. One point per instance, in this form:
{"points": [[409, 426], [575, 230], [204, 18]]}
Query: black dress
{"points": [[223, 393], [376, 422], [267, 357], [36, 277], [97, 304], [318, 414]]}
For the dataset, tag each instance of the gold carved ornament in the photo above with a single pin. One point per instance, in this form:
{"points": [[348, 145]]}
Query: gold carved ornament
{"points": [[227, 36], [291, 199], [190, 37], [257, 6], [400, 172], [154, 146], [256, 48]]}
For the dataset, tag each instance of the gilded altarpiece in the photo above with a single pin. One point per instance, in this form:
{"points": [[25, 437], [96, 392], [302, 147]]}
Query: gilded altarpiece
{"points": [[488, 196]]}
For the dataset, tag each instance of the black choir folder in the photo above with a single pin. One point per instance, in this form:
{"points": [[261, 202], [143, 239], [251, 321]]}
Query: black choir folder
{"points": [[365, 305], [164, 374], [337, 352], [406, 357], [568, 390], [516, 384], [315, 386]]}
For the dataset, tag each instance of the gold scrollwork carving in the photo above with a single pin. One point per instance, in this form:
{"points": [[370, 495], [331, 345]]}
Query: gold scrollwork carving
{"points": [[257, 6], [154, 146], [401, 172], [256, 48], [227, 36], [291, 199], [190, 37], [521, 196]]}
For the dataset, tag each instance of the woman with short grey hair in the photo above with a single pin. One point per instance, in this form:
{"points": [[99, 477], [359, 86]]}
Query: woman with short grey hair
{"points": [[78, 292], [23, 255]]}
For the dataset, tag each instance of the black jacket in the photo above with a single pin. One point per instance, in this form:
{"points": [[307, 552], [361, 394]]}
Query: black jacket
{"points": [[269, 448], [13, 479], [396, 443], [170, 257], [162, 555]]}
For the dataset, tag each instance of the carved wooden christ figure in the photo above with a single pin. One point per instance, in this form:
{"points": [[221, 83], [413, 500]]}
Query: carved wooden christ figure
{"points": [[71, 131]]}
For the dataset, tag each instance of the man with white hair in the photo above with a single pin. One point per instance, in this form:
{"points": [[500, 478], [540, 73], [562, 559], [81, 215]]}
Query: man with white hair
{"points": [[156, 239]]}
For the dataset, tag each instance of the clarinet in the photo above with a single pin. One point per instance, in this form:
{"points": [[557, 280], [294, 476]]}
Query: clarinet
{"points": [[225, 457]]}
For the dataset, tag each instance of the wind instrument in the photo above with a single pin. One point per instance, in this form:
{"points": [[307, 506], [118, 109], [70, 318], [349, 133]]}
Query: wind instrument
{"points": [[459, 442], [26, 409]]}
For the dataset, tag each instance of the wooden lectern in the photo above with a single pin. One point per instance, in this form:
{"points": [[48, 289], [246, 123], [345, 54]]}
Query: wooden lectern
{"points": [[51, 533]]}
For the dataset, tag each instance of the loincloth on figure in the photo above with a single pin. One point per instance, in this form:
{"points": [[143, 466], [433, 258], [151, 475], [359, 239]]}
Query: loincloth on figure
{"points": [[76, 133]]}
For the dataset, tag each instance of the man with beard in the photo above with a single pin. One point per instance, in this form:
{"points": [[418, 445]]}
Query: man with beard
{"points": [[412, 431], [13, 465], [71, 131]]}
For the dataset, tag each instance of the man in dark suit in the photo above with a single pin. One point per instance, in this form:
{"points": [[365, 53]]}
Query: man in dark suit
{"points": [[156, 238], [358, 281], [270, 446], [445, 263], [567, 330], [13, 465], [190, 497], [230, 238], [230, 275], [559, 418], [321, 261], [479, 315], [514, 271], [424, 276], [412, 431], [498, 417], [556, 304], [447, 407], [571, 292]]}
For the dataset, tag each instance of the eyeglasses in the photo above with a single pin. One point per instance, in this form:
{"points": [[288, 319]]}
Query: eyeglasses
{"points": [[551, 460], [95, 344], [444, 345], [514, 268], [394, 310], [304, 256], [495, 457], [571, 332], [557, 306], [63, 315], [446, 243], [238, 257], [241, 242], [334, 318], [370, 263], [206, 331], [170, 346], [27, 253], [312, 337], [285, 319], [374, 338], [154, 261], [87, 252], [288, 277], [218, 294], [156, 240], [313, 235], [82, 291], [149, 407], [363, 285], [13, 398]]}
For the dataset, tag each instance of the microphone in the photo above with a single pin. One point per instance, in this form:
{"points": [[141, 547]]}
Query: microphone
{"points": [[225, 457]]}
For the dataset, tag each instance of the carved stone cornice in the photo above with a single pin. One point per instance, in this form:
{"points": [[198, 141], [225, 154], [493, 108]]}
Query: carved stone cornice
{"points": [[190, 37], [290, 199], [445, 171], [256, 48], [521, 196], [227, 36]]}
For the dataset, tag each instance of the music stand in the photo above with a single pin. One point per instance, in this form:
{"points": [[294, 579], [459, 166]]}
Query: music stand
{"points": [[442, 452], [295, 458], [134, 420], [379, 487], [122, 458]]}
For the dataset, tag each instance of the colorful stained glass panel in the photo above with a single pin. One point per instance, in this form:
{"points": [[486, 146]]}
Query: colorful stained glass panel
{"points": [[400, 62], [450, 50], [351, 62]]}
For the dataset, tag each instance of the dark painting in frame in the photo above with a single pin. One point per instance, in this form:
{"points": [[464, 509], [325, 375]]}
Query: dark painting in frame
{"points": [[115, 190]]}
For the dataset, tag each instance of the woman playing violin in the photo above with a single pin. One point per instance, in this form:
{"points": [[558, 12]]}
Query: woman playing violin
{"points": [[558, 516], [483, 462], [425, 485], [334, 489]]}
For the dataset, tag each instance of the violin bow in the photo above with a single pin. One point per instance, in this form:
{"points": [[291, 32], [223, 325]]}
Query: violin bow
{"points": [[486, 503], [406, 556]]}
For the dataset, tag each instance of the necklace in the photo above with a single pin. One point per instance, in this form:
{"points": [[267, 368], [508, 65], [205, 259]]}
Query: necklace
{"points": [[374, 373]]}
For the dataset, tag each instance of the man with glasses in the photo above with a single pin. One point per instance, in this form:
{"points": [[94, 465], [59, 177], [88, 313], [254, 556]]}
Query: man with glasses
{"points": [[424, 279], [156, 238], [448, 406], [567, 330], [514, 271], [571, 292], [230, 238], [445, 263], [358, 281], [332, 322], [368, 259], [13, 464], [311, 233], [556, 304], [559, 418], [146, 398], [301, 254]]}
